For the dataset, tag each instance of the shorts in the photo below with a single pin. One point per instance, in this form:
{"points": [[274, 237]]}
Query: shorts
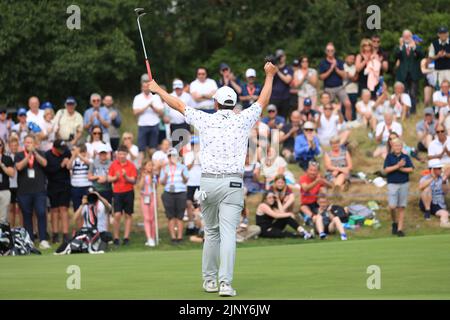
{"points": [[433, 208], [398, 194], [339, 92], [59, 198], [174, 204], [124, 202], [13, 195], [148, 137], [191, 191], [107, 194], [312, 206]]}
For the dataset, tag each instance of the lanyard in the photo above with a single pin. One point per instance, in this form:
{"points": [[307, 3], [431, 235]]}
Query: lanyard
{"points": [[172, 172], [30, 161], [147, 184], [251, 90]]}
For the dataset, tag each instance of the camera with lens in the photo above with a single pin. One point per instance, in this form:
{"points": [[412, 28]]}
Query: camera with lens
{"points": [[272, 59], [92, 196]]}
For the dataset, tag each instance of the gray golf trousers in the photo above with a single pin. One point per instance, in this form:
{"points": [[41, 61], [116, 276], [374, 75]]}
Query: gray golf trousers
{"points": [[222, 201]]}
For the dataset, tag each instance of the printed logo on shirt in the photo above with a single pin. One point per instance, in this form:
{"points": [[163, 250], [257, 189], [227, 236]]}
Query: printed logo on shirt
{"points": [[235, 184]]}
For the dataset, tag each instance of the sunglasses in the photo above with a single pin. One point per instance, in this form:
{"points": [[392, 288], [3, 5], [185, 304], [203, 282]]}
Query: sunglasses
{"points": [[96, 133], [271, 111], [440, 131], [96, 100], [308, 130]]}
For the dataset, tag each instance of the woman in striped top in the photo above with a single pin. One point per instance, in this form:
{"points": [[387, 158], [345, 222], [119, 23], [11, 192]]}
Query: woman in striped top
{"points": [[338, 164]]}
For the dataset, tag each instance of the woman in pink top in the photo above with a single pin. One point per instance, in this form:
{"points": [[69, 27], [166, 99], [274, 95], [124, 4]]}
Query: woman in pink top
{"points": [[147, 202]]}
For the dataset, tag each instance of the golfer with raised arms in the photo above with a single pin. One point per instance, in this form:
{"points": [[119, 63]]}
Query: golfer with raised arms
{"points": [[223, 147]]}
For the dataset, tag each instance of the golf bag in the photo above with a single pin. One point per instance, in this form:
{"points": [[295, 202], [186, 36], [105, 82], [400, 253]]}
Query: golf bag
{"points": [[15, 242], [86, 240]]}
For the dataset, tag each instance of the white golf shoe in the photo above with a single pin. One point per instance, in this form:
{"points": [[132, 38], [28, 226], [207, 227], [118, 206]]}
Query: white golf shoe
{"points": [[210, 286], [226, 290], [44, 245]]}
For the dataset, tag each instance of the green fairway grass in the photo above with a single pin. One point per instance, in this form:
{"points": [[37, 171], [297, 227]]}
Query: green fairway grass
{"points": [[411, 268]]}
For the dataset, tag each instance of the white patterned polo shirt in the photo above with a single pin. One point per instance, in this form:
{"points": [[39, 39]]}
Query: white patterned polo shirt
{"points": [[223, 137]]}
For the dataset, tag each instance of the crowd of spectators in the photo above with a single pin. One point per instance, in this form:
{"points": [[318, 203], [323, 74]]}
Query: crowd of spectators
{"points": [[49, 161]]}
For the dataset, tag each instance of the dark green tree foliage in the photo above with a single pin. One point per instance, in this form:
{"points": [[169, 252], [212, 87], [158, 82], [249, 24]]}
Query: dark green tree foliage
{"points": [[40, 56]]}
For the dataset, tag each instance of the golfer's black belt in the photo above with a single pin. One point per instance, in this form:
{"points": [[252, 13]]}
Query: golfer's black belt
{"points": [[222, 175]]}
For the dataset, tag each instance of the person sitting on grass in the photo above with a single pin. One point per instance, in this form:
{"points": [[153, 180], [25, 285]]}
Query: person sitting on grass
{"points": [[307, 145], [398, 166], [272, 219], [382, 133], [433, 188], [312, 183], [284, 192], [338, 163], [122, 173], [426, 130], [326, 220], [365, 109]]}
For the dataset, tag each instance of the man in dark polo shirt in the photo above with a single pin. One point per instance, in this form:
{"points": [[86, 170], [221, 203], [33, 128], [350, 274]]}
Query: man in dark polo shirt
{"points": [[332, 73], [308, 113], [281, 89], [439, 52], [58, 188], [6, 171]]}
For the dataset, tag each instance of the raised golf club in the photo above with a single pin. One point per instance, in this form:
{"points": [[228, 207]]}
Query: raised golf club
{"points": [[139, 13]]}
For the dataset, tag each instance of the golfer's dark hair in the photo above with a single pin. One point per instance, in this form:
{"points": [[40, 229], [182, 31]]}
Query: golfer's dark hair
{"points": [[122, 148]]}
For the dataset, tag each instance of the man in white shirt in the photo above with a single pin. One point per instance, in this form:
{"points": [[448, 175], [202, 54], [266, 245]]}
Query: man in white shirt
{"points": [[439, 148], [400, 101], [382, 132], [331, 125], [441, 101], [223, 148], [177, 120], [148, 108], [202, 90], [34, 114]]}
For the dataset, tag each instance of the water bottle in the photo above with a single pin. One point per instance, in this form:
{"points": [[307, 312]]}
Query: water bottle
{"points": [[349, 226], [380, 87]]}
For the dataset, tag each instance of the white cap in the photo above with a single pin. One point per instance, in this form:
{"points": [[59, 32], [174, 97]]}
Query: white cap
{"points": [[172, 152], [226, 96], [271, 107], [379, 182], [434, 164], [250, 73], [309, 125], [177, 84], [145, 78], [102, 148]]}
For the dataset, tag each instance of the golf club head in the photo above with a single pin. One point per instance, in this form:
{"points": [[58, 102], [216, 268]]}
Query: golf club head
{"points": [[140, 12]]}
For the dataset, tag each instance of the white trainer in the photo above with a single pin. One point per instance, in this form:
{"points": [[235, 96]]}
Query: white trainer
{"points": [[226, 290], [210, 286], [151, 242], [44, 245]]}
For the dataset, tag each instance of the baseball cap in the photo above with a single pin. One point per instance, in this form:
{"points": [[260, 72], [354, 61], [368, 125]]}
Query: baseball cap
{"points": [[22, 111], [102, 148], [145, 78], [442, 29], [177, 84], [271, 107], [71, 100], [296, 62], [416, 38], [46, 105], [172, 152], [279, 53], [309, 125], [434, 164], [428, 110], [250, 73], [223, 65], [60, 145], [226, 96], [307, 102]]}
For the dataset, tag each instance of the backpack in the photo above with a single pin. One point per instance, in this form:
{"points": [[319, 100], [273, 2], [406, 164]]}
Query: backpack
{"points": [[360, 210], [340, 212]]}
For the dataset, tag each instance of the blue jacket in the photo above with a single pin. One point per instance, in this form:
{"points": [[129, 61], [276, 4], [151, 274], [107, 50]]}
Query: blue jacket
{"points": [[302, 150]]}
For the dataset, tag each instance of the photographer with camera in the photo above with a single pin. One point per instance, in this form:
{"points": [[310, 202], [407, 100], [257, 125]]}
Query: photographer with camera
{"points": [[281, 83]]}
